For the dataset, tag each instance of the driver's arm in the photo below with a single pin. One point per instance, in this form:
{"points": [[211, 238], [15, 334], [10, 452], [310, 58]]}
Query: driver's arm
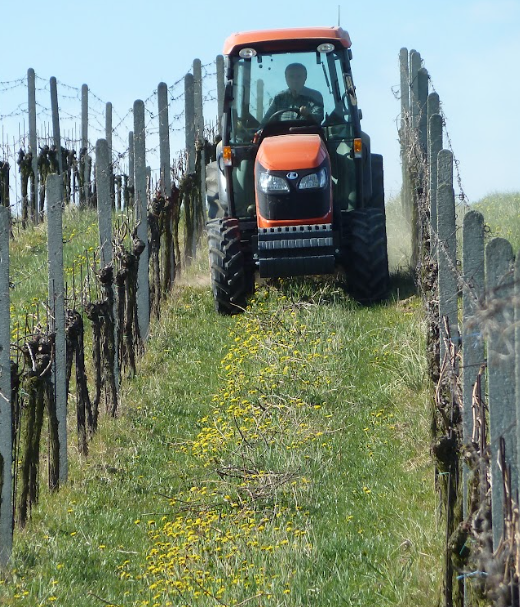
{"points": [[314, 110]]}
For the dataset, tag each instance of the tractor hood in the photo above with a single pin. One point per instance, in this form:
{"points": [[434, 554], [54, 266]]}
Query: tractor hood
{"points": [[293, 181], [291, 152]]}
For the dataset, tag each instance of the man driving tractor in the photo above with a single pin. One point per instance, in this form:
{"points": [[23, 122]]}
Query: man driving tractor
{"points": [[297, 96]]}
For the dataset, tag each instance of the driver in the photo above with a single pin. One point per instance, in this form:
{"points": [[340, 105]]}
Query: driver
{"points": [[307, 101]]}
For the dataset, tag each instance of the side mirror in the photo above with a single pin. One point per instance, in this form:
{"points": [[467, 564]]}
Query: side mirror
{"points": [[360, 114]]}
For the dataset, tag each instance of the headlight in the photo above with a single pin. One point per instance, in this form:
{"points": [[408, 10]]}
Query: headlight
{"points": [[271, 184], [314, 180]]}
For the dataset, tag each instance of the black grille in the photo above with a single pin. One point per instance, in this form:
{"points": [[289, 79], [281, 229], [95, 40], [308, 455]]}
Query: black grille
{"points": [[295, 204]]}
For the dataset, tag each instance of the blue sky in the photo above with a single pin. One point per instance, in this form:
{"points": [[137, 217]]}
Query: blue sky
{"points": [[122, 50]]}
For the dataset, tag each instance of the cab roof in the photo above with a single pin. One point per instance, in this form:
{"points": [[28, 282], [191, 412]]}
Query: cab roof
{"points": [[291, 39]]}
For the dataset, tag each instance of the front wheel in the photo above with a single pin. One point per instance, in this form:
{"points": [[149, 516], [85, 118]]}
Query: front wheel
{"points": [[365, 254], [229, 282]]}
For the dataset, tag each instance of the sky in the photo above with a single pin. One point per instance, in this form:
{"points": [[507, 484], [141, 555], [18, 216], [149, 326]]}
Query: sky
{"points": [[122, 50]]}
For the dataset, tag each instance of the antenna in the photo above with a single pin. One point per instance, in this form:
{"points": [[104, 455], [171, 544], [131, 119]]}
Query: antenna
{"points": [[339, 15]]}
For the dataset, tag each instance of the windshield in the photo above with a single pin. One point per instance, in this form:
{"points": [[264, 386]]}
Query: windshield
{"points": [[309, 85]]}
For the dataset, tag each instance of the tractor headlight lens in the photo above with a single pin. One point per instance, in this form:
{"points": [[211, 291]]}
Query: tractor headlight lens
{"points": [[314, 180], [271, 184]]}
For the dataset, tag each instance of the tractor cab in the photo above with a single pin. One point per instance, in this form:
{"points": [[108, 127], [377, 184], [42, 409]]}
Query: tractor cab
{"points": [[259, 104], [293, 162]]}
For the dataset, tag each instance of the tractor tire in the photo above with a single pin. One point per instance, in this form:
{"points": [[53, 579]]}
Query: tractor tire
{"points": [[365, 255], [229, 282]]}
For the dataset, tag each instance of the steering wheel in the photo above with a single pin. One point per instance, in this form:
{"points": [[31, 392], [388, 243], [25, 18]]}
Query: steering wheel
{"points": [[278, 113]]}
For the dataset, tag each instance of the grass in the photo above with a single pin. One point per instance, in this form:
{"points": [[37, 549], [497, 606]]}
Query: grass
{"points": [[28, 265], [500, 212], [280, 457], [399, 237]]}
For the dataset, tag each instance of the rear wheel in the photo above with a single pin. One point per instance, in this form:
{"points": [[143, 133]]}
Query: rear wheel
{"points": [[229, 282], [365, 255]]}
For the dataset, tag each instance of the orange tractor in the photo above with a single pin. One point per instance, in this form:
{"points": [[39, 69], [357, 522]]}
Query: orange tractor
{"points": [[297, 190]]}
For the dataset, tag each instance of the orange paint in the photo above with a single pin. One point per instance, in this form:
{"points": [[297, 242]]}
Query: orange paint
{"points": [[320, 34], [266, 223], [291, 152]]}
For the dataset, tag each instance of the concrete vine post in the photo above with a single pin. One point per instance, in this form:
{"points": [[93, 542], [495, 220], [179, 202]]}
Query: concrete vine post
{"points": [[422, 90], [33, 145], [199, 136], [85, 165], [164, 139], [416, 153], [141, 207], [6, 481], [433, 106], [434, 147], [447, 251], [260, 99], [501, 371], [108, 136], [415, 66], [131, 170], [220, 90], [56, 122], [188, 197], [104, 211], [84, 116], [189, 115], [473, 354], [517, 355], [54, 195], [404, 133], [168, 250]]}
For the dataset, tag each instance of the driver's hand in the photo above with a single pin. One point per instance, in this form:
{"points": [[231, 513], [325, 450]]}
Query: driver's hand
{"points": [[305, 111]]}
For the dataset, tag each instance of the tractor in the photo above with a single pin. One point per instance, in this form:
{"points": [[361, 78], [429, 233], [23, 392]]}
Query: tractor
{"points": [[296, 189]]}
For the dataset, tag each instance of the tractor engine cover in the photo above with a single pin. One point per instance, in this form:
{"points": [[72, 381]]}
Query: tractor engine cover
{"points": [[294, 207], [292, 181]]}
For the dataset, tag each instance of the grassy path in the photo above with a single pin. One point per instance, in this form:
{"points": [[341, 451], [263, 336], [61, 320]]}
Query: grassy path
{"points": [[280, 457]]}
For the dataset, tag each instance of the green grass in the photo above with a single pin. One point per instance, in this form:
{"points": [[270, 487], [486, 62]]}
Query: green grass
{"points": [[399, 237], [28, 265], [501, 215], [280, 457]]}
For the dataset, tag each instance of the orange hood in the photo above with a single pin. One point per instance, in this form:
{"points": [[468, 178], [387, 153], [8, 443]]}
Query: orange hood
{"points": [[291, 152]]}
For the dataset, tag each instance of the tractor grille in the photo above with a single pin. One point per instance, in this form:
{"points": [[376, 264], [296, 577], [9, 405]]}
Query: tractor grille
{"points": [[295, 250]]}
